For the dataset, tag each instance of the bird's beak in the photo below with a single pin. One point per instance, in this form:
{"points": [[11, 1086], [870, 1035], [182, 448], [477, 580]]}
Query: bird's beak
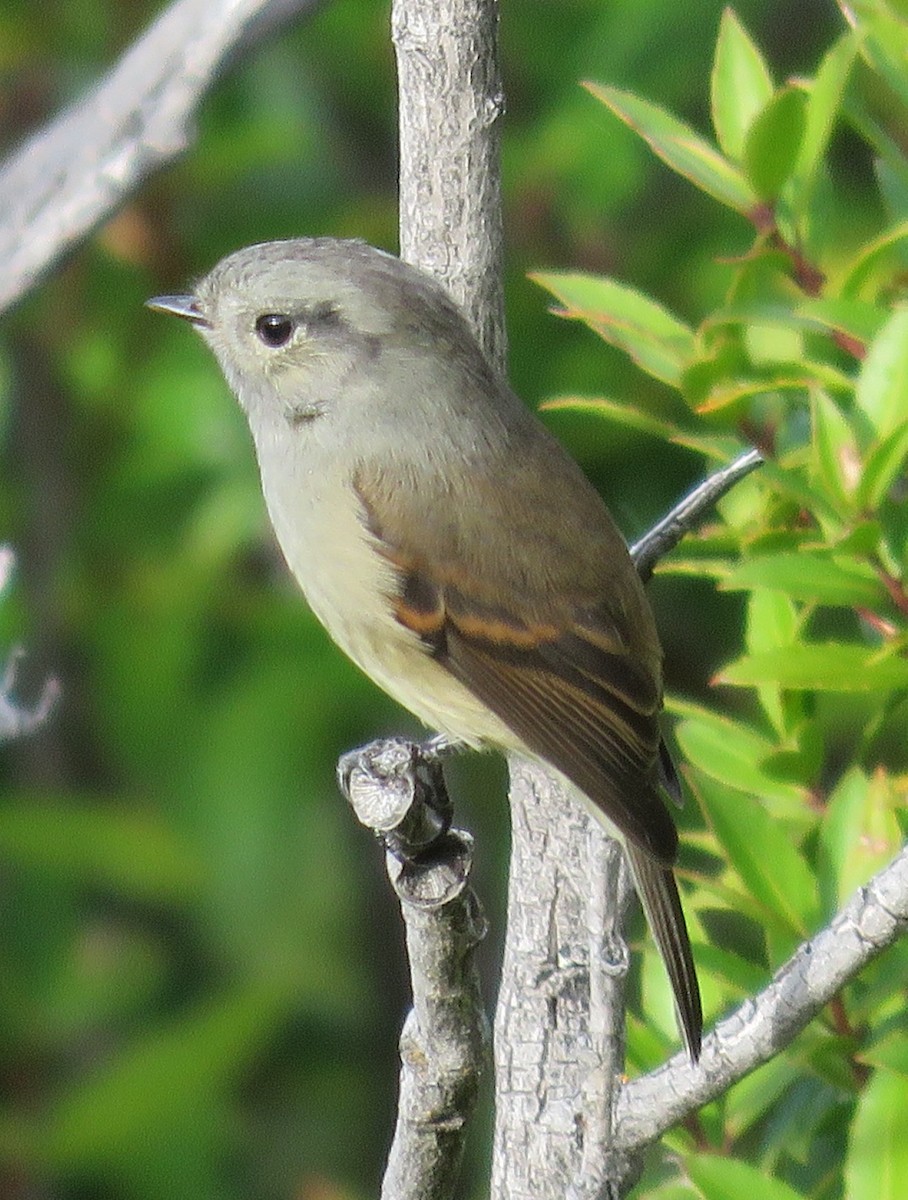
{"points": [[186, 307]]}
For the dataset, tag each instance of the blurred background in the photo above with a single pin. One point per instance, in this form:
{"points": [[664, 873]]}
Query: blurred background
{"points": [[201, 970]]}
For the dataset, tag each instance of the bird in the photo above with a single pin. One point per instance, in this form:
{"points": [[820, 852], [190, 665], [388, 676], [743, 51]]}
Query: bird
{"points": [[447, 541]]}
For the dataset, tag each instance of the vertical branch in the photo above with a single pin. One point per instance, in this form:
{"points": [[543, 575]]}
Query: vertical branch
{"points": [[450, 215], [397, 790], [451, 102], [450, 225]]}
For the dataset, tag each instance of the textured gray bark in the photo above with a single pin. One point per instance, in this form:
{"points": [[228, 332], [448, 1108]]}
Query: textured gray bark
{"points": [[553, 1086], [874, 918], [451, 104], [449, 97], [397, 789], [559, 1026]]}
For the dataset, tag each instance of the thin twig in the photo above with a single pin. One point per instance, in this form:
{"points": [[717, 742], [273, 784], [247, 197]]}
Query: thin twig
{"points": [[875, 917], [683, 518]]}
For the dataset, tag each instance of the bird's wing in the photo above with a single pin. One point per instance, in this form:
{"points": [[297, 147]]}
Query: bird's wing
{"points": [[563, 675]]}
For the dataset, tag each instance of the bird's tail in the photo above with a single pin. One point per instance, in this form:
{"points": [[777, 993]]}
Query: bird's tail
{"points": [[658, 894]]}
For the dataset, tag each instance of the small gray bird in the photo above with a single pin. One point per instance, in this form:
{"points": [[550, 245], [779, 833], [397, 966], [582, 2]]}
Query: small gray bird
{"points": [[446, 540]]}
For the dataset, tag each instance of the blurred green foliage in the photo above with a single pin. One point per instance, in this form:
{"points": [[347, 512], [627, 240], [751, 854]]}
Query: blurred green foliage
{"points": [[201, 976]]}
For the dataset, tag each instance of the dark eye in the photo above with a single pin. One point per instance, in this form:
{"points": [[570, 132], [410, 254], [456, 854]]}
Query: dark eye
{"points": [[274, 329]]}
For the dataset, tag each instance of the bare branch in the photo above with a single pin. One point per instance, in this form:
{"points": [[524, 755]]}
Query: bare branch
{"points": [[872, 919], [71, 175], [451, 101], [398, 788], [559, 1025], [667, 533], [450, 225]]}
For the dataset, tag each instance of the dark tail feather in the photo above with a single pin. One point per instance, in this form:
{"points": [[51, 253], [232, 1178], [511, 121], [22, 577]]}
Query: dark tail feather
{"points": [[658, 894]]}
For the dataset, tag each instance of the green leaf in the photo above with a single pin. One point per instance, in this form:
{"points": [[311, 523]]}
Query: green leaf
{"points": [[884, 42], [890, 1052], [655, 339], [883, 466], [857, 320], [876, 1166], [681, 148], [835, 461], [860, 832], [774, 142], [771, 621], [721, 1178], [155, 1082], [758, 1093], [812, 576], [789, 482], [873, 256], [740, 84], [824, 101], [731, 753], [819, 666], [761, 850], [882, 387], [612, 410], [737, 974], [893, 183]]}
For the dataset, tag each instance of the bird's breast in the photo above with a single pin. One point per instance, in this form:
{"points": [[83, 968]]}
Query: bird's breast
{"points": [[351, 588]]}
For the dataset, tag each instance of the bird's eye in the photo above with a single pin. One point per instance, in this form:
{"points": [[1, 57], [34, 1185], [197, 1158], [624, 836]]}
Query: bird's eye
{"points": [[274, 329]]}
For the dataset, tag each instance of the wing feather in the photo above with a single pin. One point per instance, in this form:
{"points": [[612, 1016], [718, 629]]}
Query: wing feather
{"points": [[574, 731]]}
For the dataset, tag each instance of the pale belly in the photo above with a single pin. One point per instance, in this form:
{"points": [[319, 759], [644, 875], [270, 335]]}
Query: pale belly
{"points": [[347, 585]]}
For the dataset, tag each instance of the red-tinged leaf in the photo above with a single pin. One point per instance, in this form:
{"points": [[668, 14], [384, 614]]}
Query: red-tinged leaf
{"points": [[821, 667], [721, 448], [877, 257], [740, 84], [734, 390], [694, 568], [655, 339], [857, 320], [612, 410], [681, 148]]}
